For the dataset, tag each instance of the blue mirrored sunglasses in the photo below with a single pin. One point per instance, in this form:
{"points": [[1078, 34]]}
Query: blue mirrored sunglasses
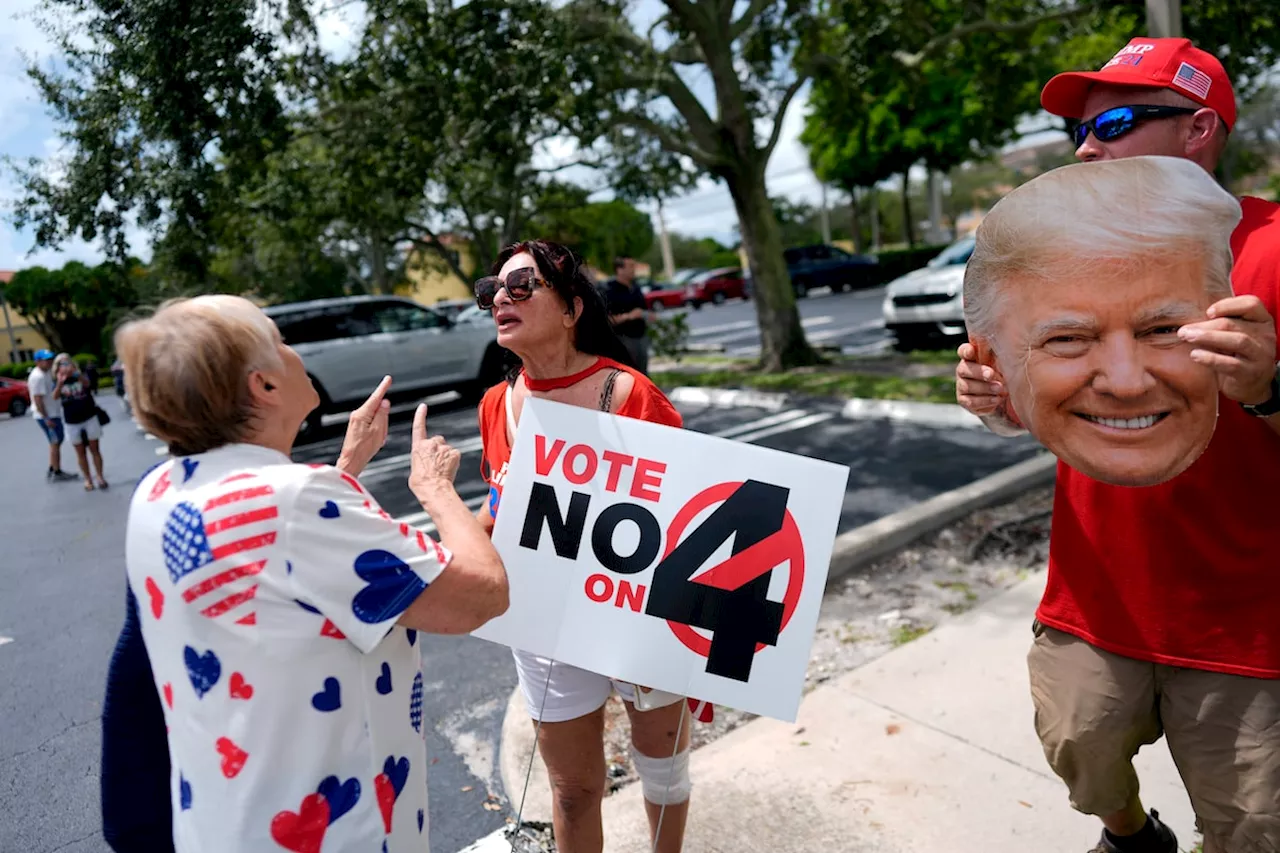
{"points": [[1115, 123]]}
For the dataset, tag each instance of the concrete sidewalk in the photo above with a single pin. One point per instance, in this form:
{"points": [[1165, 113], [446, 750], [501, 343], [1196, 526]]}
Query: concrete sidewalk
{"points": [[929, 749]]}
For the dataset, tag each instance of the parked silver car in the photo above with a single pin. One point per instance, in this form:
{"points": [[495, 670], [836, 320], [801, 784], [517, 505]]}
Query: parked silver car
{"points": [[925, 308], [349, 344]]}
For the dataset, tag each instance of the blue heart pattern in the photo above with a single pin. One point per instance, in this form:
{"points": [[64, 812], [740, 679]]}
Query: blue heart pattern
{"points": [[329, 510], [189, 467], [392, 587], [415, 703], [184, 792], [341, 796], [384, 681], [186, 547], [329, 699], [397, 772], [204, 670]]}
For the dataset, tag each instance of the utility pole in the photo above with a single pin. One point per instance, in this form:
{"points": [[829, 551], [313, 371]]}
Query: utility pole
{"points": [[826, 218], [8, 324], [874, 194], [668, 260], [1164, 18]]}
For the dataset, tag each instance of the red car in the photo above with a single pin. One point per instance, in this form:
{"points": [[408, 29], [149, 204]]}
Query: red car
{"points": [[661, 295], [715, 286], [14, 397]]}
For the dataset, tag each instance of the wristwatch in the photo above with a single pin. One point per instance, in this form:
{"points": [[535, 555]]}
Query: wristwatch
{"points": [[1270, 406]]}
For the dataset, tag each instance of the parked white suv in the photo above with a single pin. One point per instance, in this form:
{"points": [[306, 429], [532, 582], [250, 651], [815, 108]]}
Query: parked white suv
{"points": [[926, 305], [349, 344]]}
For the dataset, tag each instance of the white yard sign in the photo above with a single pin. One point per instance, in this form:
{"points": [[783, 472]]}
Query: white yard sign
{"points": [[665, 557]]}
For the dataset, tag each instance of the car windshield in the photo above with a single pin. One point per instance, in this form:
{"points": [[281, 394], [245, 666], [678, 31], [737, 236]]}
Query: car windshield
{"points": [[957, 253]]}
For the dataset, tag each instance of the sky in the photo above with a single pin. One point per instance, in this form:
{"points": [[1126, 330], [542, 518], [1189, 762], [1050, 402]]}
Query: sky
{"points": [[27, 130]]}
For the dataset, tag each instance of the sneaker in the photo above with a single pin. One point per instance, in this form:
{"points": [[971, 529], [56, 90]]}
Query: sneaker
{"points": [[1167, 842]]}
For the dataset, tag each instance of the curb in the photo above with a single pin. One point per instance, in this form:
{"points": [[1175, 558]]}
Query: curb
{"points": [[856, 409], [852, 550], [728, 398]]}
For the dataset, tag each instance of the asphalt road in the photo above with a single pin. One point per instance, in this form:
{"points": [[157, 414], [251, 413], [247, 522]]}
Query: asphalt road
{"points": [[851, 320], [62, 592]]}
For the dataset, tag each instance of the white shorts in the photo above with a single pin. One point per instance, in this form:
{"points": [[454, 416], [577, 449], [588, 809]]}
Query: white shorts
{"points": [[572, 692], [90, 429]]}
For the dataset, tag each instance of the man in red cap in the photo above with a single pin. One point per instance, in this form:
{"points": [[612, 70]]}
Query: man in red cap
{"points": [[1161, 613]]}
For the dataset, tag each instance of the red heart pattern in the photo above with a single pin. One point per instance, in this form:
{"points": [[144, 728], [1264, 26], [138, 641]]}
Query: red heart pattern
{"points": [[302, 831], [156, 596], [386, 798], [233, 757], [168, 695], [161, 486], [240, 689]]}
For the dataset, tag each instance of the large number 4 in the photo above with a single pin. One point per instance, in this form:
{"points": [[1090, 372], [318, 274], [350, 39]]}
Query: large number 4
{"points": [[736, 612]]}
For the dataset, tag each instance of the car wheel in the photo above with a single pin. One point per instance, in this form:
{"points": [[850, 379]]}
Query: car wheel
{"points": [[657, 307], [717, 298], [801, 288], [492, 368], [17, 408], [907, 341], [694, 304], [310, 429]]}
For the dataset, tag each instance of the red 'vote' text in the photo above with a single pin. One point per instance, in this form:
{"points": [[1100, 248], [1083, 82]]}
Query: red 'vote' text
{"points": [[580, 463]]}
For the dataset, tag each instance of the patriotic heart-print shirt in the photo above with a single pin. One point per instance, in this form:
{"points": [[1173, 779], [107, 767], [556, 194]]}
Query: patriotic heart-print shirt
{"points": [[269, 594]]}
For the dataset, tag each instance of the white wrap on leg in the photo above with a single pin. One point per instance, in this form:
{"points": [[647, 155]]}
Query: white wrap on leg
{"points": [[664, 781]]}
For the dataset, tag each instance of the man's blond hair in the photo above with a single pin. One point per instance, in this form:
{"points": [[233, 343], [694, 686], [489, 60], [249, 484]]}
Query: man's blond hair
{"points": [[1109, 218], [187, 368]]}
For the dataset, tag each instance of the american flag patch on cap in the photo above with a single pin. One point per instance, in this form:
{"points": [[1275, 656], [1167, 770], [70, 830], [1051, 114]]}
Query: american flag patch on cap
{"points": [[1193, 80]]}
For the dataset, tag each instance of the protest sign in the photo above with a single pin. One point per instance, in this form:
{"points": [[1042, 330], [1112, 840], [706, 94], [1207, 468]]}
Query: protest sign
{"points": [[665, 557]]}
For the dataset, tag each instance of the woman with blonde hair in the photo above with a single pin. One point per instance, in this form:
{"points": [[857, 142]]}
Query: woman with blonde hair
{"points": [[278, 603]]}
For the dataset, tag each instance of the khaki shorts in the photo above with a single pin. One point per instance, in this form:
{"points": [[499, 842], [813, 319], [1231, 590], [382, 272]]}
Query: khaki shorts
{"points": [[1095, 709]]}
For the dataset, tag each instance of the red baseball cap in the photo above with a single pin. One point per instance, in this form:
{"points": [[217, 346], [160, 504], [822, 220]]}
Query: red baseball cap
{"points": [[1174, 64]]}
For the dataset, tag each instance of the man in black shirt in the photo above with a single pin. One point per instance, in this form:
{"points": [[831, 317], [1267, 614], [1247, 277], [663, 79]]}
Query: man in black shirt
{"points": [[628, 312]]}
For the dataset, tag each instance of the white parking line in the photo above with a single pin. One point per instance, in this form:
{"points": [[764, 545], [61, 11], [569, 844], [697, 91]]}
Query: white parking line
{"points": [[806, 322], [400, 460], [5, 640], [723, 327], [827, 334], [801, 423]]}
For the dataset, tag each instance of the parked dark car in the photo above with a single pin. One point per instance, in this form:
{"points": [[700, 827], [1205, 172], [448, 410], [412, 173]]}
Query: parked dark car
{"points": [[827, 266], [14, 397], [715, 286]]}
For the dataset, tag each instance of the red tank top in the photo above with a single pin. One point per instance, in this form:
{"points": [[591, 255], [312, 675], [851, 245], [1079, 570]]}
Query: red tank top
{"points": [[1185, 573]]}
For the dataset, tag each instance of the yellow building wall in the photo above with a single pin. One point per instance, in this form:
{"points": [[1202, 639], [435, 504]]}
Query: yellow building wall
{"points": [[26, 340], [430, 280]]}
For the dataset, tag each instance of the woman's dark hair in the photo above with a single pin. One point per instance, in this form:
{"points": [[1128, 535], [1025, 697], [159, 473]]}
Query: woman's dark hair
{"points": [[564, 271]]}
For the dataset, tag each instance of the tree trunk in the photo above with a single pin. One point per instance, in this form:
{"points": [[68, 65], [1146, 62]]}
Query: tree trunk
{"points": [[908, 229], [378, 266], [873, 198], [782, 341], [855, 221]]}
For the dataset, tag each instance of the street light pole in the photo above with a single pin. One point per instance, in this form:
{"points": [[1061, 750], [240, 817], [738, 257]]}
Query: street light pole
{"points": [[1164, 18]]}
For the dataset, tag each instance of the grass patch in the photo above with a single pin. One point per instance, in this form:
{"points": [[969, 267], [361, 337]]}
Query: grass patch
{"points": [[958, 586], [936, 356], [956, 608], [820, 383], [904, 634]]}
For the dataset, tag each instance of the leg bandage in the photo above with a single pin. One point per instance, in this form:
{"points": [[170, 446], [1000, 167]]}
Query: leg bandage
{"points": [[664, 781]]}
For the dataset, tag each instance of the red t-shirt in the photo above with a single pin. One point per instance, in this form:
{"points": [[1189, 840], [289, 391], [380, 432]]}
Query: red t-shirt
{"points": [[1185, 573], [646, 402]]}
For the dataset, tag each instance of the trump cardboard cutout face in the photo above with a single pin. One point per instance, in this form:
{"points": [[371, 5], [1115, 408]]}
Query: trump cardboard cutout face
{"points": [[1078, 284]]}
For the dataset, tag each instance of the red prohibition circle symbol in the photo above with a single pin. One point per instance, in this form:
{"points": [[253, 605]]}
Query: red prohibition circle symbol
{"points": [[792, 544]]}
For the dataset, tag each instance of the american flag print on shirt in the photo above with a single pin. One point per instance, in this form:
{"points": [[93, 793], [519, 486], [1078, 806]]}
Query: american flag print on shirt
{"points": [[212, 552], [1193, 80]]}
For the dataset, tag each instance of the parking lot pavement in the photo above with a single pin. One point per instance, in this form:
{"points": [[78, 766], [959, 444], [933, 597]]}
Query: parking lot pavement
{"points": [[62, 591], [851, 320]]}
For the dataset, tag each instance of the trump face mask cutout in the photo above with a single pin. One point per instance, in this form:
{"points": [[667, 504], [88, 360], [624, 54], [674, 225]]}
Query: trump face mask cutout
{"points": [[1078, 284]]}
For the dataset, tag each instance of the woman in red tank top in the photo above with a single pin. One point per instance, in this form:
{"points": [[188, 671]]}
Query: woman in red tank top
{"points": [[552, 321]]}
